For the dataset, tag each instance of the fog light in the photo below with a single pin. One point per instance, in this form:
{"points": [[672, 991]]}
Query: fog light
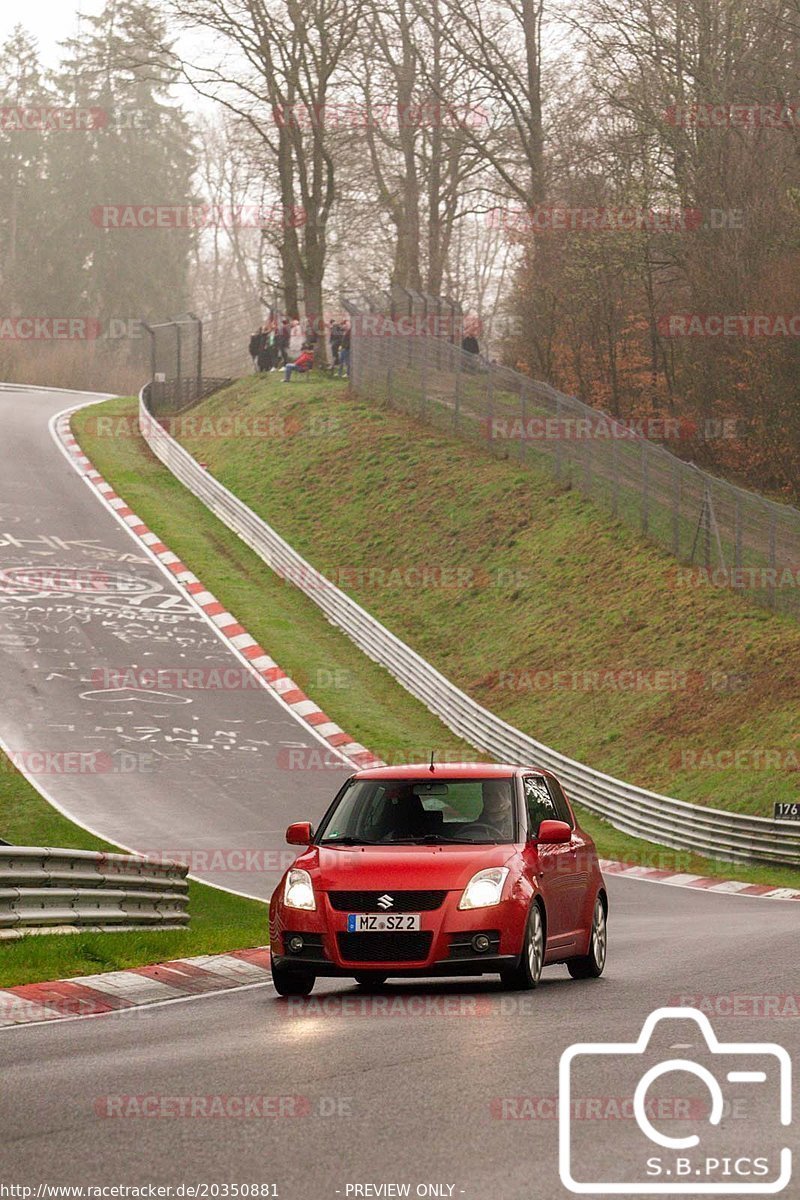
{"points": [[295, 944], [480, 943]]}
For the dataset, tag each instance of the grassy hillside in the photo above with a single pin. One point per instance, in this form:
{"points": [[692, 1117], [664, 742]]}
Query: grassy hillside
{"points": [[547, 584], [357, 693]]}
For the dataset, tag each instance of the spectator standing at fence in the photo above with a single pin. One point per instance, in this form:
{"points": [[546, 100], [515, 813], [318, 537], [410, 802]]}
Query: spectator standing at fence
{"points": [[303, 363], [311, 336], [296, 339], [344, 351], [337, 334], [470, 344], [265, 351], [254, 346], [282, 340]]}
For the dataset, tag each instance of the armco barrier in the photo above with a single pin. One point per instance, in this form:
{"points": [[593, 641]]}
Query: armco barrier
{"points": [[43, 890], [731, 836]]}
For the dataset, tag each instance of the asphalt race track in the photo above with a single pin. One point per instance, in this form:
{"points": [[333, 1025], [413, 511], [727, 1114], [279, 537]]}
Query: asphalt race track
{"points": [[447, 1087], [199, 770]]}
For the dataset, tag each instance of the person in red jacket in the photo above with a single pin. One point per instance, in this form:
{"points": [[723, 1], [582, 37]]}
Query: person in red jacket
{"points": [[304, 362]]}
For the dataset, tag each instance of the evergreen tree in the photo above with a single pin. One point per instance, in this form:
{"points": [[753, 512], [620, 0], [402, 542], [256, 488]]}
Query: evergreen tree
{"points": [[23, 191], [141, 154]]}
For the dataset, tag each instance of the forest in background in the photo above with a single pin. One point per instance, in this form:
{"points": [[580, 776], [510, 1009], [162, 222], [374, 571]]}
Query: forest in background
{"points": [[611, 192]]}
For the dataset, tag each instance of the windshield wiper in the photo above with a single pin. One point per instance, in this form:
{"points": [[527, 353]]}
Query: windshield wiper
{"points": [[349, 841], [437, 839]]}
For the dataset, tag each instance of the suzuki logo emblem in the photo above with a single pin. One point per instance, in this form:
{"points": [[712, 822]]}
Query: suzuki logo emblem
{"points": [[385, 901]]}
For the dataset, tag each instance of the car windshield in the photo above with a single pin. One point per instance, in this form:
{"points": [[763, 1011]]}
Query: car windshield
{"points": [[408, 811]]}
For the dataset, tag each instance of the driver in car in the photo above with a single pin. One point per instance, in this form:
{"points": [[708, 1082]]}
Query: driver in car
{"points": [[497, 809]]}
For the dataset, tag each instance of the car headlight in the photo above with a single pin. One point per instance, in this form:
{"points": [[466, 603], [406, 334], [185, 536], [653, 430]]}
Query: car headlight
{"points": [[299, 891], [484, 889]]}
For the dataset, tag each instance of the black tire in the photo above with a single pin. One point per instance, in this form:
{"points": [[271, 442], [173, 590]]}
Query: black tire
{"points": [[526, 974], [291, 983], [591, 965], [370, 979]]}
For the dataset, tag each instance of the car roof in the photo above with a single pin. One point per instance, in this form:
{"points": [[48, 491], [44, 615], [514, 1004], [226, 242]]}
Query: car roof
{"points": [[459, 770]]}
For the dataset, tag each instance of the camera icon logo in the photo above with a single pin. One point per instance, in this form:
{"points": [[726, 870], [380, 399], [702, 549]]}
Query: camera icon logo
{"points": [[729, 1118]]}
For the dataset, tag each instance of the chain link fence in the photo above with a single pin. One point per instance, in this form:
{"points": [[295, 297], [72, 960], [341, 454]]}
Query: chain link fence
{"points": [[725, 536], [192, 356]]}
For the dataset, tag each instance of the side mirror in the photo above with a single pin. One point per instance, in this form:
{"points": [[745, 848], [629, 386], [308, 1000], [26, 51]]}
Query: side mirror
{"points": [[299, 834], [554, 831]]}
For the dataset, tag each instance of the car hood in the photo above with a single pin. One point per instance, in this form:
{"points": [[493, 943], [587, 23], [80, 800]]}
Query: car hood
{"points": [[368, 868]]}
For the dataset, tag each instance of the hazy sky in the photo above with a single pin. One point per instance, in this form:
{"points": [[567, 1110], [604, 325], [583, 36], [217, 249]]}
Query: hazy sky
{"points": [[50, 21]]}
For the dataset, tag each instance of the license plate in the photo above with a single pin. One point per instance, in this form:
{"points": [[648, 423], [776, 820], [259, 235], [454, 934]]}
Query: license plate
{"points": [[381, 922]]}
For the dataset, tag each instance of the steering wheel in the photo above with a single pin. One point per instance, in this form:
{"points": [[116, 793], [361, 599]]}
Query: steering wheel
{"points": [[483, 825]]}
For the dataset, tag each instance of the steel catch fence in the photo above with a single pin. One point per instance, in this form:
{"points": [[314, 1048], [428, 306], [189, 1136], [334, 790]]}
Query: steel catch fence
{"points": [[732, 538]]}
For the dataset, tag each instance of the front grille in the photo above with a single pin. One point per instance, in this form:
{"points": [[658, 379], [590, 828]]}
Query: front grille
{"points": [[403, 902], [385, 947]]}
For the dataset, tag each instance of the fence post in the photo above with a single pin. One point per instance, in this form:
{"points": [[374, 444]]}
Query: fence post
{"points": [[707, 527], [615, 475], [523, 393], [645, 489], [178, 365], [149, 329], [456, 350], [199, 358], [676, 510], [389, 352], [773, 555], [423, 376], [490, 402], [559, 439], [587, 464]]}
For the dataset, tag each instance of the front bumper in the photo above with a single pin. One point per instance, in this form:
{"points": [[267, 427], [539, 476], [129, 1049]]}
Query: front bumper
{"points": [[443, 945]]}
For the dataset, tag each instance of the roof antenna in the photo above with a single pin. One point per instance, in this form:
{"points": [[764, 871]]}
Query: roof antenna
{"points": [[432, 754]]}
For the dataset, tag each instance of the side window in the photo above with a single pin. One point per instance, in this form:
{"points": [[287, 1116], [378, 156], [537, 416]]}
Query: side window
{"points": [[560, 801], [538, 802]]}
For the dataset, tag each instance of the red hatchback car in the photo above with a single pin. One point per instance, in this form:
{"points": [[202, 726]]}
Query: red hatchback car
{"points": [[444, 870]]}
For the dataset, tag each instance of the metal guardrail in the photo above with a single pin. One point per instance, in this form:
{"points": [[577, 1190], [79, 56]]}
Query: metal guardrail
{"points": [[61, 891], [645, 814]]}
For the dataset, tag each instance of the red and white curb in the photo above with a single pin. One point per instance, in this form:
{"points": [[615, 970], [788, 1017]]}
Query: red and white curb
{"points": [[303, 708], [116, 991], [704, 883]]}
